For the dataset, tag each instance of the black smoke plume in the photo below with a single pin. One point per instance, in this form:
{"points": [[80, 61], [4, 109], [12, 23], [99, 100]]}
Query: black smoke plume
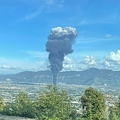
{"points": [[58, 45]]}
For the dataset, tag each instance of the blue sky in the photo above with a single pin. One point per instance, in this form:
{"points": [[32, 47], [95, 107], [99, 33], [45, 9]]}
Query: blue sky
{"points": [[26, 24]]}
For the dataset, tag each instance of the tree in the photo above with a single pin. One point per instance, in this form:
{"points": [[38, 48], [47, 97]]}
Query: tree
{"points": [[114, 111], [93, 104], [54, 103], [22, 106], [1, 104]]}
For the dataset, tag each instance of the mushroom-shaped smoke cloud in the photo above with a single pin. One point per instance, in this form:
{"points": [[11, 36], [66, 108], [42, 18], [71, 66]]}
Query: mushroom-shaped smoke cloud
{"points": [[58, 45]]}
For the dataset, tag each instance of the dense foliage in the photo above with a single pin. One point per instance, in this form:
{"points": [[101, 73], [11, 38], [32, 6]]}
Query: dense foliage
{"points": [[22, 106], [93, 104], [52, 104], [114, 111], [55, 104], [1, 104]]}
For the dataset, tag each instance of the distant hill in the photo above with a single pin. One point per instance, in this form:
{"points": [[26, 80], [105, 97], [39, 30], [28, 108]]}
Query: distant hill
{"points": [[87, 77]]}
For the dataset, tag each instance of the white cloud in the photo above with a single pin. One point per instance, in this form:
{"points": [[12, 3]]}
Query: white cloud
{"points": [[9, 67], [68, 60], [69, 64], [107, 64], [69, 67], [114, 57], [90, 61], [112, 61], [81, 63]]}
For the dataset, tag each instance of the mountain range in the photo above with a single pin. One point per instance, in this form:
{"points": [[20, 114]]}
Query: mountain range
{"points": [[87, 77]]}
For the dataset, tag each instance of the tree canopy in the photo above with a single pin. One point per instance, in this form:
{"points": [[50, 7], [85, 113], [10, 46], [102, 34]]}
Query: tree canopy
{"points": [[54, 103], [114, 111], [93, 104], [22, 106]]}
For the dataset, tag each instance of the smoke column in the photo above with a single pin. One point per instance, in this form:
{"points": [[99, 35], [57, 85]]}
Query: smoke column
{"points": [[58, 45]]}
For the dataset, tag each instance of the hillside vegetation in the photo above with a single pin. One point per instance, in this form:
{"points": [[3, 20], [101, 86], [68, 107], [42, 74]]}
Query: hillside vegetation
{"points": [[87, 77], [55, 104]]}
